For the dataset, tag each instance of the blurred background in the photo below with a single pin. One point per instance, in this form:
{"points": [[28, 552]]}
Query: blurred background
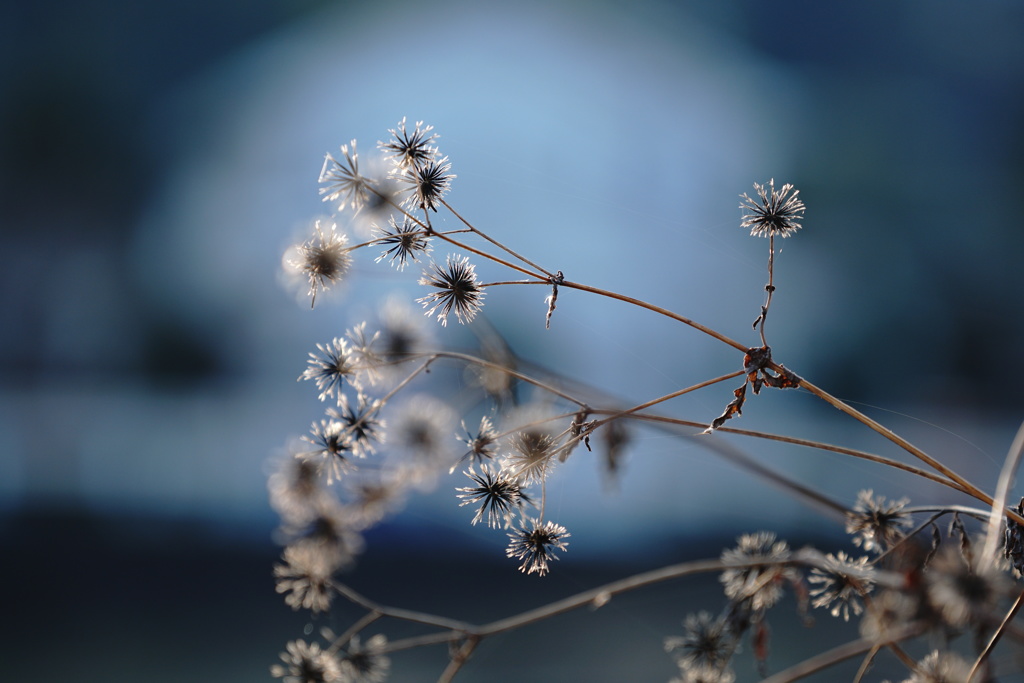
{"points": [[157, 159]]}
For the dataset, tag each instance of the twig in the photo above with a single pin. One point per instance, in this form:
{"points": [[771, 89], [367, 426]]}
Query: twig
{"points": [[996, 637], [834, 656], [1006, 475]]}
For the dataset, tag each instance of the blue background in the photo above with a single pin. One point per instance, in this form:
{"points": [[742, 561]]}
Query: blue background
{"points": [[156, 160]]}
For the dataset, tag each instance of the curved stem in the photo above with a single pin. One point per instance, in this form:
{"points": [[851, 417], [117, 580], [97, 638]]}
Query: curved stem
{"points": [[966, 486], [842, 450], [458, 659], [355, 628], [513, 373], [596, 597], [996, 637], [834, 656], [656, 309], [666, 397], [769, 288], [1010, 465], [494, 241], [400, 613]]}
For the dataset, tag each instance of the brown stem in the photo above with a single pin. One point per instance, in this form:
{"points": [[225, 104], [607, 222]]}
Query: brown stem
{"points": [[494, 241], [966, 486], [996, 637]]}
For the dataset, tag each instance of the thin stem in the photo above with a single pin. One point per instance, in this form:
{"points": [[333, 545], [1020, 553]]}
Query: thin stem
{"points": [[458, 659], [446, 236], [866, 664], [966, 486], [997, 636], [863, 455], [513, 373], [1006, 476], [834, 656], [398, 612], [514, 282], [490, 257], [769, 288], [666, 397], [656, 309], [601, 594], [366, 620], [456, 630], [387, 397], [495, 242]]}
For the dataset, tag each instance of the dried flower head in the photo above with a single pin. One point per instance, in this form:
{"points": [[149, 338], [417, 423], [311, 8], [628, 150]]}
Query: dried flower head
{"points": [[941, 667], [532, 440], [422, 428], [482, 444], [841, 583], [295, 490], [362, 426], [889, 613], [877, 524], [364, 354], [1013, 541], [403, 332], [404, 241], [458, 290], [759, 584], [332, 446], [331, 533], [373, 495], [307, 663], [344, 183], [407, 148], [964, 594], [306, 577], [429, 183], [726, 675], [535, 544], [367, 663], [532, 454], [777, 212], [330, 368], [706, 646], [498, 495], [321, 261], [495, 376]]}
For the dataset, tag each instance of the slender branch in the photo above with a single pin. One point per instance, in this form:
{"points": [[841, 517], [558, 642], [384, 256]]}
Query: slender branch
{"points": [[656, 309], [1006, 476], [966, 486], [474, 360], [601, 594], [834, 656], [996, 637], [769, 288], [491, 257], [514, 282], [916, 471], [666, 397], [446, 236], [494, 241], [366, 620], [458, 659], [456, 630], [866, 664], [398, 612]]}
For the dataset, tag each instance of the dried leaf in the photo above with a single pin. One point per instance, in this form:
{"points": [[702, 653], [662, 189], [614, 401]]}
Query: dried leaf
{"points": [[734, 408]]}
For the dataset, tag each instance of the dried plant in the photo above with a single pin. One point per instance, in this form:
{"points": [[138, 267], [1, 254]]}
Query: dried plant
{"points": [[901, 578]]}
